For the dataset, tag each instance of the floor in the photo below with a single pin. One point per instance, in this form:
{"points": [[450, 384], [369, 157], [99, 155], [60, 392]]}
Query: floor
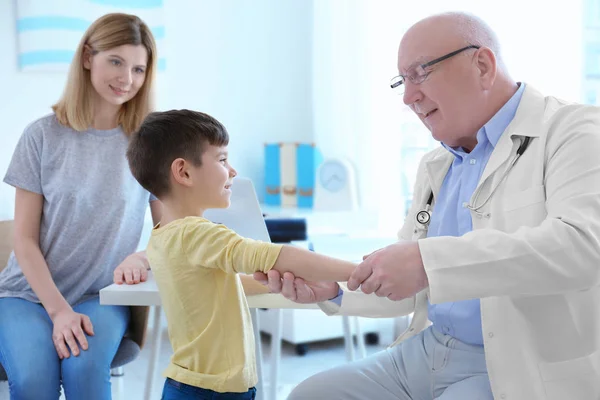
{"points": [[293, 368]]}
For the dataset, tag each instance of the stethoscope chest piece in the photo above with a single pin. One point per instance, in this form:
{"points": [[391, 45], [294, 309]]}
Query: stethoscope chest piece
{"points": [[423, 217]]}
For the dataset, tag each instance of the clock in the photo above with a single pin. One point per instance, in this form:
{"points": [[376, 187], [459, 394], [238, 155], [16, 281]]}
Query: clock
{"points": [[333, 175], [335, 187]]}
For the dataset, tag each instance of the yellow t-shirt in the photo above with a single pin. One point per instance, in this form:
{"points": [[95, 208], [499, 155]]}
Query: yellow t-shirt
{"points": [[195, 263]]}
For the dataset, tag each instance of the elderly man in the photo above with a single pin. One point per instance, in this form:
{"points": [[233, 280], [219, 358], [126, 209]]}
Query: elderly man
{"points": [[499, 257]]}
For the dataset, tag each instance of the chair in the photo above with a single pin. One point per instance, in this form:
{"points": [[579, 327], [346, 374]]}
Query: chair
{"points": [[132, 342]]}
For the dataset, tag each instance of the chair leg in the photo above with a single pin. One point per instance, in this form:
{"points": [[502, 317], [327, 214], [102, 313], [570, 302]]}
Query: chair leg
{"points": [[116, 372], [154, 352], [360, 338], [118, 389], [259, 358], [276, 353]]}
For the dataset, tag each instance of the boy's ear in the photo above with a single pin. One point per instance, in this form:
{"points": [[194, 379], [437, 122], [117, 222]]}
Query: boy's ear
{"points": [[180, 172]]}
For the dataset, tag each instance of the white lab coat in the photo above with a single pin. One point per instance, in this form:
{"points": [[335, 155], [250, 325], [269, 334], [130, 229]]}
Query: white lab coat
{"points": [[533, 257]]}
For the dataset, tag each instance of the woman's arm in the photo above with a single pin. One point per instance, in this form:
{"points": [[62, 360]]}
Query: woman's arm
{"points": [[69, 326], [28, 214]]}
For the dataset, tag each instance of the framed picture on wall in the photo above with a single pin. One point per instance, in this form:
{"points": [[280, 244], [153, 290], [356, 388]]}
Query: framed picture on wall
{"points": [[48, 32]]}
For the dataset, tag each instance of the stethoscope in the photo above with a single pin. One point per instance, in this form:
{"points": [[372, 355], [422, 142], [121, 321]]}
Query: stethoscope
{"points": [[423, 217]]}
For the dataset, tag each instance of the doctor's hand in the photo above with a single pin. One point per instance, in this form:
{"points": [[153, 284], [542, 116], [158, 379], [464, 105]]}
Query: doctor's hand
{"points": [[297, 289], [395, 272]]}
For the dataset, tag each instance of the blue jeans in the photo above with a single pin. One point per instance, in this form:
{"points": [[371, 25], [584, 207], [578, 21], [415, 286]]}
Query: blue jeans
{"points": [[174, 390], [30, 360]]}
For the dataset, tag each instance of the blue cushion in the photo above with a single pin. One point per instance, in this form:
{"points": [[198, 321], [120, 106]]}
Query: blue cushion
{"points": [[127, 352]]}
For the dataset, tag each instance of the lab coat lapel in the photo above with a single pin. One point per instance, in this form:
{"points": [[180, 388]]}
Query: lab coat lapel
{"points": [[436, 172], [525, 123]]}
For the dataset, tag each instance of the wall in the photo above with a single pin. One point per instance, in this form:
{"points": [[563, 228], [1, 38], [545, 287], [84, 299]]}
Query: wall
{"points": [[355, 47], [246, 63]]}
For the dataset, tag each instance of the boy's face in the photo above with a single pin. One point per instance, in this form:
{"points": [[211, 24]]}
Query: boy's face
{"points": [[213, 179]]}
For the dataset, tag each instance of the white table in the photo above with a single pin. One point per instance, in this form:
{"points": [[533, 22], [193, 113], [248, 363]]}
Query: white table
{"points": [[146, 294]]}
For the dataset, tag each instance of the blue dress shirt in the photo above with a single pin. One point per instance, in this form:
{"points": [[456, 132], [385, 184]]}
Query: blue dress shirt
{"points": [[451, 217]]}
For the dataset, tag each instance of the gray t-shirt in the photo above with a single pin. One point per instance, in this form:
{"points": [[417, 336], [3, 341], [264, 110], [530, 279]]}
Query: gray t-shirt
{"points": [[93, 210]]}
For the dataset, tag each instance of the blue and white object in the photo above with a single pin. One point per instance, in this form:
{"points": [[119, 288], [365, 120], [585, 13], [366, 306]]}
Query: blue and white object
{"points": [[308, 159], [290, 173], [289, 176], [48, 32], [272, 174]]}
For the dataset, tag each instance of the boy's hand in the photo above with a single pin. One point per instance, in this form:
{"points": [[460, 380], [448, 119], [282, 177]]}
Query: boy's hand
{"points": [[296, 289], [131, 271]]}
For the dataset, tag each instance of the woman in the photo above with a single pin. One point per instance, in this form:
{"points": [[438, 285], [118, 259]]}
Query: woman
{"points": [[78, 218]]}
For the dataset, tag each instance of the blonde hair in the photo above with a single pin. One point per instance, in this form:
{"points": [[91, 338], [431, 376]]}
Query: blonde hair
{"points": [[75, 108]]}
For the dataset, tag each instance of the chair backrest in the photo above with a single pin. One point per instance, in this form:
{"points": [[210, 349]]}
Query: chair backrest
{"points": [[6, 242]]}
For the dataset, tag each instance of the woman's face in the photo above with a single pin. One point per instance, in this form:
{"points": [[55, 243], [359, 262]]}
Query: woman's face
{"points": [[119, 73]]}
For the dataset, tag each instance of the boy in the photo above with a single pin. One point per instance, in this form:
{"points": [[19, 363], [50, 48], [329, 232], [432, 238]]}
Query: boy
{"points": [[181, 157]]}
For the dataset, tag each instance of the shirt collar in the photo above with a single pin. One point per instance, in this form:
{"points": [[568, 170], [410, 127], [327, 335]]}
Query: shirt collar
{"points": [[495, 127]]}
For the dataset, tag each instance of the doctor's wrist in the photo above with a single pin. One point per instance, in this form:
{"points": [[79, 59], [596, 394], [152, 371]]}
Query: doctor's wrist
{"points": [[337, 298], [338, 293]]}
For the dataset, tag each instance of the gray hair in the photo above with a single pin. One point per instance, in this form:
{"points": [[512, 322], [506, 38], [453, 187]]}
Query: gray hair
{"points": [[474, 30]]}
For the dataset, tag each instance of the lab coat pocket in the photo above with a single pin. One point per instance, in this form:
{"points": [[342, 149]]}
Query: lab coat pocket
{"points": [[525, 198], [575, 379], [524, 208]]}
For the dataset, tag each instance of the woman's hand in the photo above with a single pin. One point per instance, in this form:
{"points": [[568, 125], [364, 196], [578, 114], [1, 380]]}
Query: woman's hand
{"points": [[68, 334]]}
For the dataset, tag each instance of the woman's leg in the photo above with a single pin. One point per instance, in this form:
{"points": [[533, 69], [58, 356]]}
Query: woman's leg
{"points": [[27, 352], [87, 376]]}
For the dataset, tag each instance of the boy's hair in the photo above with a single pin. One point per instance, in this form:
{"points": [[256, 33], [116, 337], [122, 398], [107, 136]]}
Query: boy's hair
{"points": [[166, 136], [74, 109]]}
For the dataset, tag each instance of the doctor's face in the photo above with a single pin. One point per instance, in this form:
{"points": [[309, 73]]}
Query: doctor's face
{"points": [[448, 100]]}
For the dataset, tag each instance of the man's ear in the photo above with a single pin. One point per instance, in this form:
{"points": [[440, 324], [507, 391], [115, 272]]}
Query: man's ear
{"points": [[180, 172], [485, 61]]}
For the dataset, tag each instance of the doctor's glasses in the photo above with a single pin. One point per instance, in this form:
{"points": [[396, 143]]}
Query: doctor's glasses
{"points": [[419, 73]]}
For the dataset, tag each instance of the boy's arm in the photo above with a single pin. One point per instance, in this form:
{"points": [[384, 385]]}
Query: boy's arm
{"points": [[312, 266], [251, 286], [209, 245], [216, 246]]}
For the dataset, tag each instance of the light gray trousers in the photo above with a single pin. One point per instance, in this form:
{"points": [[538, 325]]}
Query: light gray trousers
{"points": [[428, 366]]}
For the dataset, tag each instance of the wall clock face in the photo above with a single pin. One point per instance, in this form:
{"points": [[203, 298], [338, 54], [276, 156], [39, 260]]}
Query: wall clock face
{"points": [[333, 176]]}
